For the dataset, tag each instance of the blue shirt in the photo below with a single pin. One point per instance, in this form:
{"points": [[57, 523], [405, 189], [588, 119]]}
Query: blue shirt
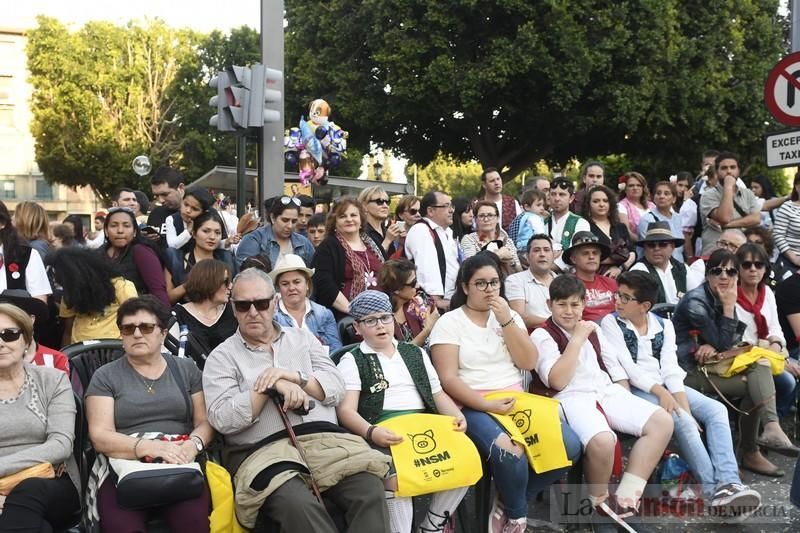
{"points": [[262, 241], [318, 320], [674, 225]]}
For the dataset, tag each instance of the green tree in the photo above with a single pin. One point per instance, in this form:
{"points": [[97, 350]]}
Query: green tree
{"points": [[511, 82], [103, 95], [448, 175]]}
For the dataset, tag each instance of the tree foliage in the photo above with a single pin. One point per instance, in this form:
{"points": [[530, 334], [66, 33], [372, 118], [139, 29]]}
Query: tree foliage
{"points": [[510, 82], [102, 96]]}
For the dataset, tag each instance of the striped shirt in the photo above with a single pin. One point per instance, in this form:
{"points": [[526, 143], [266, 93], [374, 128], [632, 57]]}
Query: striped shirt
{"points": [[786, 230], [233, 367]]}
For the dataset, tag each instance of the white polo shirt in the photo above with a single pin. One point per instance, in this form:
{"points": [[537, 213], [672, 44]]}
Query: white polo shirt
{"points": [[524, 286]]}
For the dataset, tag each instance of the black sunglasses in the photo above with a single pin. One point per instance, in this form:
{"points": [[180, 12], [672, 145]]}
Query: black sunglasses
{"points": [[717, 271], [412, 283], [657, 244], [413, 211], [243, 306], [379, 201], [10, 334], [145, 327], [747, 265]]}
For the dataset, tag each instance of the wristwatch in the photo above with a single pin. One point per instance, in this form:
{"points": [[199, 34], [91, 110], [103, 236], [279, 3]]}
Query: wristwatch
{"points": [[198, 443], [303, 379]]}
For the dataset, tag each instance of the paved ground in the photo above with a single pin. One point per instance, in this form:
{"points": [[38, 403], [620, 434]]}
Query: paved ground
{"points": [[776, 515]]}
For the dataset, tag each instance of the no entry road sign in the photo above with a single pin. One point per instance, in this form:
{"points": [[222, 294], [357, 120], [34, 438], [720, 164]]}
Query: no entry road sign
{"points": [[782, 90]]}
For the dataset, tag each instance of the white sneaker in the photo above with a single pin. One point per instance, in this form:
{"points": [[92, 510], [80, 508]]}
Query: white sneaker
{"points": [[515, 525], [497, 517]]}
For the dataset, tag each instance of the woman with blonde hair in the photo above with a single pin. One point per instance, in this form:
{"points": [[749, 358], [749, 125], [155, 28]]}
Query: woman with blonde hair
{"points": [[375, 204], [32, 224], [347, 261]]}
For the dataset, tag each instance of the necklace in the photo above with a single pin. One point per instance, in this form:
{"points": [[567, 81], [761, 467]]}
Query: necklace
{"points": [[150, 390]]}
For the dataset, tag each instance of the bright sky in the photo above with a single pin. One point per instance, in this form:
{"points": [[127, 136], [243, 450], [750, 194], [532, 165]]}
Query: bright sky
{"points": [[202, 15]]}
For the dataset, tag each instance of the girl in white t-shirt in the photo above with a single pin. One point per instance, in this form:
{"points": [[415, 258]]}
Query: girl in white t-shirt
{"points": [[481, 346]]}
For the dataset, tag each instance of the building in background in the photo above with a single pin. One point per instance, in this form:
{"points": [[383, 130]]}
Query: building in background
{"points": [[20, 177]]}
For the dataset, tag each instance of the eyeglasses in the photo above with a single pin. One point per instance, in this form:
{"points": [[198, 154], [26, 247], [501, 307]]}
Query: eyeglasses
{"points": [[372, 321], [413, 211], [10, 334], [379, 201], [487, 216], [483, 285], [718, 271], [657, 244], [443, 206], [412, 283], [726, 244], [625, 298], [747, 265], [286, 200], [243, 306], [145, 327]]}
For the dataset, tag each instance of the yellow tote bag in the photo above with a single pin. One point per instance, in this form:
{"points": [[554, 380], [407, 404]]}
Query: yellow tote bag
{"points": [[535, 424], [223, 515], [740, 363], [433, 455]]}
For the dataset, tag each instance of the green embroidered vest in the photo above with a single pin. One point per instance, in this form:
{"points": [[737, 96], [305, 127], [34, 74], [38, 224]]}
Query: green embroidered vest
{"points": [[370, 402]]}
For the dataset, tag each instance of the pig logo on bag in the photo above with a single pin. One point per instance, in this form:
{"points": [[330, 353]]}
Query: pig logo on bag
{"points": [[423, 442], [522, 419]]}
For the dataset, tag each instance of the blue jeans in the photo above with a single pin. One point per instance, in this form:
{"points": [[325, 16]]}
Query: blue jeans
{"points": [[715, 464], [785, 393], [511, 472]]}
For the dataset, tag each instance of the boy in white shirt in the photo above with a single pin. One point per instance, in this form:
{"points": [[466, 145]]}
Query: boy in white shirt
{"points": [[574, 358], [404, 381], [650, 362]]}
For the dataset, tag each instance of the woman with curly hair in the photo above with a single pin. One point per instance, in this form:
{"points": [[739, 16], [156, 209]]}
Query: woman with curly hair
{"points": [[600, 209], [92, 294], [32, 223], [347, 261]]}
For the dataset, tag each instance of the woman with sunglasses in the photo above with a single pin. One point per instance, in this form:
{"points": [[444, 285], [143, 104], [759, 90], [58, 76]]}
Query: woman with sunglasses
{"points": [[707, 326], [207, 234], [375, 203], [482, 346], [634, 202], [347, 262], [135, 258], [295, 309], [491, 237], [756, 307], [92, 294], [414, 316], [136, 408], [600, 209], [38, 413], [279, 237]]}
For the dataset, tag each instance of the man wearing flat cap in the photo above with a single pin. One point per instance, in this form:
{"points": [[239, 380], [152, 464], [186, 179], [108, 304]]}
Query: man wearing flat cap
{"points": [[585, 255], [659, 242]]}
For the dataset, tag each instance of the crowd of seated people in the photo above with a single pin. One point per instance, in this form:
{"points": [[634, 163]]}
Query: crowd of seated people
{"points": [[328, 323]]}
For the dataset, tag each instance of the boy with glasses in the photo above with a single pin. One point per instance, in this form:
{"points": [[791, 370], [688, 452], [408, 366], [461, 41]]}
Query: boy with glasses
{"points": [[383, 379], [650, 363], [658, 244]]}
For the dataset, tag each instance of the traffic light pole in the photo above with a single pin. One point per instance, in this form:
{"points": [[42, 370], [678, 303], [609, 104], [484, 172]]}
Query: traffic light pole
{"points": [[270, 150], [241, 174]]}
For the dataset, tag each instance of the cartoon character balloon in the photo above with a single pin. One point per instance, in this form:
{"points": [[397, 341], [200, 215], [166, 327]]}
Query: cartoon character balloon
{"points": [[316, 146]]}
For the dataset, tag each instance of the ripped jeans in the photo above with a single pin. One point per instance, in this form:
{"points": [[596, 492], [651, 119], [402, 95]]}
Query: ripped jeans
{"points": [[509, 470]]}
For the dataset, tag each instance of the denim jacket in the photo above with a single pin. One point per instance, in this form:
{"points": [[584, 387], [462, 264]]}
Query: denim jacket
{"points": [[701, 311], [319, 320], [261, 241]]}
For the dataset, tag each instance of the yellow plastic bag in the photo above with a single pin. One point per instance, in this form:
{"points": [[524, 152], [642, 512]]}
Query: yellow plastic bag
{"points": [[433, 456], [740, 363], [223, 516], [534, 423]]}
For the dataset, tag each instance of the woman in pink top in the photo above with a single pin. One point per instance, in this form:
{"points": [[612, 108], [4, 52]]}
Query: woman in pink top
{"points": [[634, 202]]}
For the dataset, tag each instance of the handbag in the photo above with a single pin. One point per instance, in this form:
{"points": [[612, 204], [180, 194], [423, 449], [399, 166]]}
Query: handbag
{"points": [[42, 470], [141, 485]]}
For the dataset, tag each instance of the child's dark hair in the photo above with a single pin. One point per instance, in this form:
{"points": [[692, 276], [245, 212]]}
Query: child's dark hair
{"points": [[317, 219], [644, 286], [467, 271], [566, 286]]}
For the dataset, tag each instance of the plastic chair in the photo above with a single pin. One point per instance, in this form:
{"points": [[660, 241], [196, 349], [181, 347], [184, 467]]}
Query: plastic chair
{"points": [[87, 356], [336, 356], [664, 310], [347, 332]]}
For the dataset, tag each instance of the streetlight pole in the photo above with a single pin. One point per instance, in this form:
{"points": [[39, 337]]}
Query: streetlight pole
{"points": [[270, 137]]}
